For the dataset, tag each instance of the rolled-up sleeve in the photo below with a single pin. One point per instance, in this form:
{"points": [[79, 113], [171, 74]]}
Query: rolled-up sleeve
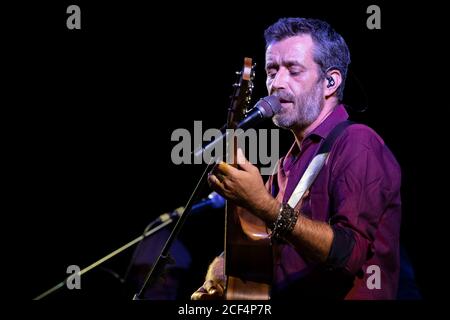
{"points": [[364, 178]]}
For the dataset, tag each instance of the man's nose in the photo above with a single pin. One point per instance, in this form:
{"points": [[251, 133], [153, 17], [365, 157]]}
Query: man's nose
{"points": [[280, 80]]}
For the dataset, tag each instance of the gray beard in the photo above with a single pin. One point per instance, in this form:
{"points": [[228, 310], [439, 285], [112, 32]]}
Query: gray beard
{"points": [[307, 108]]}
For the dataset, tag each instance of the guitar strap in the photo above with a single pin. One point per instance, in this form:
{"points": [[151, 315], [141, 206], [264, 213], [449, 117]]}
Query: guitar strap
{"points": [[315, 165]]}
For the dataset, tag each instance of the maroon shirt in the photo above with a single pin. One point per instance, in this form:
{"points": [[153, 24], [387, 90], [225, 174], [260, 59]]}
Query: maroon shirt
{"points": [[358, 193]]}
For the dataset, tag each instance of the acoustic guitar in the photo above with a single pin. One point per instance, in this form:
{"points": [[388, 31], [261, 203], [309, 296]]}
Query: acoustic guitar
{"points": [[248, 251]]}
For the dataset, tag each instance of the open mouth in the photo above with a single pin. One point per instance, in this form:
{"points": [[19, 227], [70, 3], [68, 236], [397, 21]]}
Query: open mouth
{"points": [[285, 102], [282, 100]]}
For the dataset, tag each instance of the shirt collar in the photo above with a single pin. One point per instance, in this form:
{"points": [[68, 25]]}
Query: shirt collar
{"points": [[338, 115]]}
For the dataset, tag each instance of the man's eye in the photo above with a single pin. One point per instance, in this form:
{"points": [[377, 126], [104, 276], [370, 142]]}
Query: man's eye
{"points": [[295, 72], [271, 73]]}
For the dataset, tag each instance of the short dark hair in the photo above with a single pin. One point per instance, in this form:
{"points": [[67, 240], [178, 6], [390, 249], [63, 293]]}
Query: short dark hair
{"points": [[330, 50]]}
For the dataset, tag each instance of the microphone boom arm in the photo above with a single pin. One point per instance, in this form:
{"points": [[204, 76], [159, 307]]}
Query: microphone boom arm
{"points": [[107, 257]]}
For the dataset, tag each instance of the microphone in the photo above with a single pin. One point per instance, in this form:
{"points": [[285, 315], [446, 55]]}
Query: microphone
{"points": [[265, 108], [213, 201]]}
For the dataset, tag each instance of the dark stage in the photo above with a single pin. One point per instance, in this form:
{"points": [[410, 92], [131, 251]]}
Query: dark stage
{"points": [[97, 106]]}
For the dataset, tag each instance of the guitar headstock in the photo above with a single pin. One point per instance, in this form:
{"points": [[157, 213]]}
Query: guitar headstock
{"points": [[241, 98]]}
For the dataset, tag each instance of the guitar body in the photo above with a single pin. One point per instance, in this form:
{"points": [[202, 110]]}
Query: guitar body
{"points": [[248, 256], [248, 251]]}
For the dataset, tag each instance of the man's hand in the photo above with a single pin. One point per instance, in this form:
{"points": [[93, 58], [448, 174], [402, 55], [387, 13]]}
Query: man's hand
{"points": [[244, 186], [210, 290], [214, 286]]}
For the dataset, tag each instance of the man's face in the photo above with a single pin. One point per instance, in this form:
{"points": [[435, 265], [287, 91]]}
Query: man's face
{"points": [[293, 76]]}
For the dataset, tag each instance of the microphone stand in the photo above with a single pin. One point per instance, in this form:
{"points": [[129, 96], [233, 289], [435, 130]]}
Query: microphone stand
{"points": [[164, 257], [109, 256]]}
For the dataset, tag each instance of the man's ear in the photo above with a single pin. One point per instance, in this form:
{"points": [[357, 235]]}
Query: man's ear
{"points": [[333, 80]]}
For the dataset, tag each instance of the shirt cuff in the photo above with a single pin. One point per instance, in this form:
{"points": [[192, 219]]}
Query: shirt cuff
{"points": [[341, 247]]}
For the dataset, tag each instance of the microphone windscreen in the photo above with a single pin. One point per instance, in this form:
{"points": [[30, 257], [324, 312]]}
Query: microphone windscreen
{"points": [[269, 106]]}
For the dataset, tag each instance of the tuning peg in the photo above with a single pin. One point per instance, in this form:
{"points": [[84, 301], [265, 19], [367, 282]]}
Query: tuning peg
{"points": [[238, 72]]}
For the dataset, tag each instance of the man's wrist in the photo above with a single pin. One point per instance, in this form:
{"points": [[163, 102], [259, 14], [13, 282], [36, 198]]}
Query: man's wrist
{"points": [[268, 209], [215, 271]]}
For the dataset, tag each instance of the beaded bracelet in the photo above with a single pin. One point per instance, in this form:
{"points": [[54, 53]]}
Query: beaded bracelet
{"points": [[285, 223]]}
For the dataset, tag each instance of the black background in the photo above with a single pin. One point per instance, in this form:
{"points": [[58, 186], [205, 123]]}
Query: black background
{"points": [[95, 109]]}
